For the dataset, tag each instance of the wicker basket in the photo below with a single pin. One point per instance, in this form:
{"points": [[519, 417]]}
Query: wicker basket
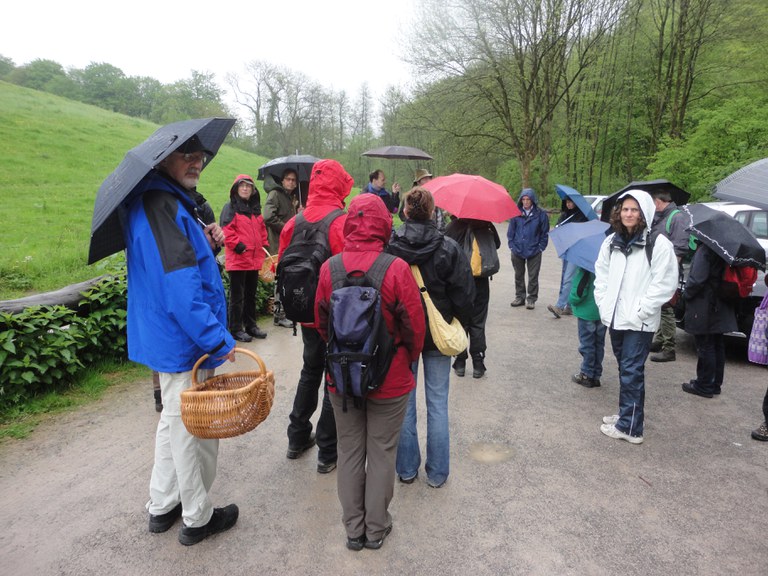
{"points": [[230, 404], [267, 272]]}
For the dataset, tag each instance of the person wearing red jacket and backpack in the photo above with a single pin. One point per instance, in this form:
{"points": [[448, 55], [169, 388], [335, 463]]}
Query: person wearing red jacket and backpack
{"points": [[245, 236], [329, 185], [368, 436]]}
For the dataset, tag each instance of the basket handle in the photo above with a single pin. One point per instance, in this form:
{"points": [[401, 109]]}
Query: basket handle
{"points": [[270, 257], [257, 358]]}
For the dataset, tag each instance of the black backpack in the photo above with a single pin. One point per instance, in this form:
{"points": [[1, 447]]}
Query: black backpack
{"points": [[299, 267], [360, 348]]}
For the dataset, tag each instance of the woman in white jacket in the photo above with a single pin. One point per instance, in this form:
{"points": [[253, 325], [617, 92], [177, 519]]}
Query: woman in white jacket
{"points": [[634, 276]]}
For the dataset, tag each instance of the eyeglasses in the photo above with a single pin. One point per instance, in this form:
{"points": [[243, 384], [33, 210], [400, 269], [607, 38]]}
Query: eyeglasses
{"points": [[194, 158]]}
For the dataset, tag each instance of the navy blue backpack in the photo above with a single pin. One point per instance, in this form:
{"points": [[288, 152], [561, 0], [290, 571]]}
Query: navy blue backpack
{"points": [[360, 348]]}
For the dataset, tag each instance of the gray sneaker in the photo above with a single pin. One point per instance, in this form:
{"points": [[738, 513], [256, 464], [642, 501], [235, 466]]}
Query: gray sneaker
{"points": [[557, 311], [530, 304], [517, 302]]}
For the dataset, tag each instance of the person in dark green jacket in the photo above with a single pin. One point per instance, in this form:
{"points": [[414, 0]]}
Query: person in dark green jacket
{"points": [[591, 330]]}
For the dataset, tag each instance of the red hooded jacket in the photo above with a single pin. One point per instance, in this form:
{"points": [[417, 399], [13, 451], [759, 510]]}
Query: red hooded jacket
{"points": [[329, 185], [242, 222], [367, 229]]}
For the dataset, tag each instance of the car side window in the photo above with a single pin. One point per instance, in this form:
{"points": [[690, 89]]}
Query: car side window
{"points": [[759, 225]]}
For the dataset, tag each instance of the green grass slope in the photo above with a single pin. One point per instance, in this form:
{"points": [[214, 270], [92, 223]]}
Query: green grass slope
{"points": [[55, 154]]}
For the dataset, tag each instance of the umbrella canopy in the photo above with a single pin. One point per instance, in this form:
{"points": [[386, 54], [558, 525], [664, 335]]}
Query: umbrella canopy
{"points": [[398, 153], [728, 237], [302, 163], [106, 227], [468, 196], [580, 242], [679, 196], [748, 184], [566, 192]]}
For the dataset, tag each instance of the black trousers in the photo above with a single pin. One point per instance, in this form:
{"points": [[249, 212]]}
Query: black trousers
{"points": [[305, 401], [476, 328], [242, 299]]}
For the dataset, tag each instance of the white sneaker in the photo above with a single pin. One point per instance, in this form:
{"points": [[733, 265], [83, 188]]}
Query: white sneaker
{"points": [[611, 431], [611, 419]]}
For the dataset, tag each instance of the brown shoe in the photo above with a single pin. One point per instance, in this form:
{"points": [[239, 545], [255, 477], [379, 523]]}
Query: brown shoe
{"points": [[663, 356]]}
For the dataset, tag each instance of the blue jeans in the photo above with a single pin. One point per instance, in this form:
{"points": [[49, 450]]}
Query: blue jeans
{"points": [[437, 371], [565, 283], [591, 347], [631, 350]]}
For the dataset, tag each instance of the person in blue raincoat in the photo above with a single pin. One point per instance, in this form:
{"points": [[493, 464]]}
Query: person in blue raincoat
{"points": [[527, 236]]}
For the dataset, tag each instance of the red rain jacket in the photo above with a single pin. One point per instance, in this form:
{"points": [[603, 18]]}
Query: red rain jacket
{"points": [[366, 231]]}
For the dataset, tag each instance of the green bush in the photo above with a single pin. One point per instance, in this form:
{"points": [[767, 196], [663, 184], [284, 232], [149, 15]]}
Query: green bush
{"points": [[43, 348]]}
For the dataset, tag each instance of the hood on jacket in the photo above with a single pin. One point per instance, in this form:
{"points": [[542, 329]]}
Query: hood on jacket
{"points": [[329, 184], [368, 225], [270, 183], [253, 204], [415, 242], [646, 204], [531, 193]]}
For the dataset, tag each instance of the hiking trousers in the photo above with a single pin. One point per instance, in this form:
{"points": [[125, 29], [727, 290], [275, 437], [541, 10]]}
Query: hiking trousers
{"points": [[367, 447], [306, 399], [185, 466]]}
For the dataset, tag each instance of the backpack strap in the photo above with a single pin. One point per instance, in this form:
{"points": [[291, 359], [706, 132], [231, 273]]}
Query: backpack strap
{"points": [[669, 219], [338, 272], [324, 224], [379, 268]]}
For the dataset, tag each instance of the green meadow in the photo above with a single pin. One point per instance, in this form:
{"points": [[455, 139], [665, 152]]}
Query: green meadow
{"points": [[55, 155]]}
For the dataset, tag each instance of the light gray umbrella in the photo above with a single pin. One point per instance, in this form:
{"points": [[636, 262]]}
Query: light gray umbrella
{"points": [[748, 185]]}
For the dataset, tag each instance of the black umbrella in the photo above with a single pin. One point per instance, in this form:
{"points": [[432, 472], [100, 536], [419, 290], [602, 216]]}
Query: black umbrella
{"points": [[302, 163], [106, 227], [398, 153], [728, 237], [748, 184], [679, 196]]}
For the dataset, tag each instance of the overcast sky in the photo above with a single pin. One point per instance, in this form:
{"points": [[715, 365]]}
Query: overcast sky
{"points": [[338, 43]]}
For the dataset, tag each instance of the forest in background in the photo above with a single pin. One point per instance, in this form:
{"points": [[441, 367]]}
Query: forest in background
{"points": [[589, 93]]}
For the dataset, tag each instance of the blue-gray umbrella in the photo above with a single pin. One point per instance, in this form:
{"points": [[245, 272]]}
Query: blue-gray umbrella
{"points": [[748, 184], [116, 190], [579, 242], [566, 192]]}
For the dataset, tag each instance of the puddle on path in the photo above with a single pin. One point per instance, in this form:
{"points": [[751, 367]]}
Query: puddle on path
{"points": [[490, 453]]}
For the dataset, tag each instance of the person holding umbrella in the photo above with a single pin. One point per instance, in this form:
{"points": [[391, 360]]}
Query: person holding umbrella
{"points": [[569, 214], [376, 182], [281, 205], [707, 317], [668, 221], [632, 282], [176, 314]]}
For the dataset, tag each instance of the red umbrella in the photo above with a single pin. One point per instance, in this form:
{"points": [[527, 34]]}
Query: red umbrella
{"points": [[468, 196]]}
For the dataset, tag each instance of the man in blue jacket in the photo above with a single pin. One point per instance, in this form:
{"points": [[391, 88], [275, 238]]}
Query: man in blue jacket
{"points": [[527, 237], [177, 312]]}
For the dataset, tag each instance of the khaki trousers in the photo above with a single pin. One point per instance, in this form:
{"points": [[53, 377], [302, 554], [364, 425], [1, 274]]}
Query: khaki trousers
{"points": [[367, 448], [185, 466]]}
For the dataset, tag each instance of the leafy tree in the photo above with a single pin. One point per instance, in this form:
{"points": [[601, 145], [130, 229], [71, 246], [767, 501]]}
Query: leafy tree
{"points": [[38, 74], [6, 66]]}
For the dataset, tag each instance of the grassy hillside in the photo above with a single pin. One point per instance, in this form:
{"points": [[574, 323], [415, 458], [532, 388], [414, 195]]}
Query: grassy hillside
{"points": [[55, 155]]}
